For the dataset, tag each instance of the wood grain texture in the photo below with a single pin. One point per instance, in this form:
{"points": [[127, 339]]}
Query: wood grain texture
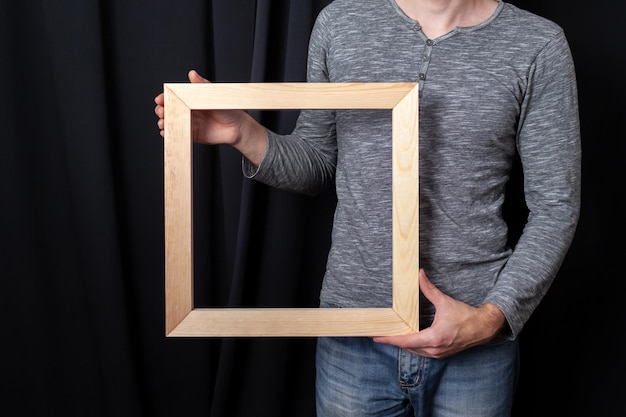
{"points": [[284, 322], [405, 165], [248, 96], [178, 211], [182, 319]]}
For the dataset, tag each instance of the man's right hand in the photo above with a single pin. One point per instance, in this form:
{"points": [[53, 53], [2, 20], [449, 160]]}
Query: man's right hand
{"points": [[230, 127]]}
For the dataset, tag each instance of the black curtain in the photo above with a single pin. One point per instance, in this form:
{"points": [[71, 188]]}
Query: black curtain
{"points": [[81, 206]]}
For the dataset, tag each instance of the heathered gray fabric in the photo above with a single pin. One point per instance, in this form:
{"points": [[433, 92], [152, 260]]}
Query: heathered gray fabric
{"points": [[485, 90]]}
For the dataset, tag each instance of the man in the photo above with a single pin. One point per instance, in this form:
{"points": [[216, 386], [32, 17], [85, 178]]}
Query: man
{"points": [[494, 80]]}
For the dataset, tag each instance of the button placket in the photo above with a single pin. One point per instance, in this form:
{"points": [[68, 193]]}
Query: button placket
{"points": [[426, 55]]}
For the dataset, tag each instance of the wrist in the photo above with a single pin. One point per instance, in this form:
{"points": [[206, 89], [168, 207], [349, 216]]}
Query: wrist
{"points": [[251, 140], [492, 317]]}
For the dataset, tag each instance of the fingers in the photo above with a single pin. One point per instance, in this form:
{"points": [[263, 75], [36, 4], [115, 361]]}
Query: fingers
{"points": [[161, 125], [159, 100], [159, 110]]}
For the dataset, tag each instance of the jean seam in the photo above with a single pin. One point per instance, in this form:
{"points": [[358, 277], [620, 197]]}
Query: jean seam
{"points": [[418, 374]]}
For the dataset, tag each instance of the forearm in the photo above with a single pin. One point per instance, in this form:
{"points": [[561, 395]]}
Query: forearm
{"points": [[303, 161], [252, 140], [491, 321]]}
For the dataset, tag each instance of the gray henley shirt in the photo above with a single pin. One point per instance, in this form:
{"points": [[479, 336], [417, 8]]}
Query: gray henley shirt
{"points": [[488, 91]]}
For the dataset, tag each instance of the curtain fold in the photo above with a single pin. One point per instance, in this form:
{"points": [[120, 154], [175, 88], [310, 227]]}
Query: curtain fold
{"points": [[265, 272], [81, 205]]}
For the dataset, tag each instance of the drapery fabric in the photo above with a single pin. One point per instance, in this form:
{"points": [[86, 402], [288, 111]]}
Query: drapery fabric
{"points": [[81, 226]]}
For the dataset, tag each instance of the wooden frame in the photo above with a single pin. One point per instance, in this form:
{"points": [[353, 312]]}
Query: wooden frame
{"points": [[182, 319]]}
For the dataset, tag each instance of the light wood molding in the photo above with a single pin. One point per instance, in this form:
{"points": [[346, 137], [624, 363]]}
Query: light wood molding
{"points": [[182, 319]]}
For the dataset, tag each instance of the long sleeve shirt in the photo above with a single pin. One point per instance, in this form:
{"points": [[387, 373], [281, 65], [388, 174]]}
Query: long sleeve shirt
{"points": [[488, 91]]}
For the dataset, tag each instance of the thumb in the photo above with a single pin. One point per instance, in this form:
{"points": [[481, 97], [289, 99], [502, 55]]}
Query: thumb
{"points": [[194, 77], [429, 290]]}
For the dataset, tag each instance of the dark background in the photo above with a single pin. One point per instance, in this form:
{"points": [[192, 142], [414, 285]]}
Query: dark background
{"points": [[81, 217]]}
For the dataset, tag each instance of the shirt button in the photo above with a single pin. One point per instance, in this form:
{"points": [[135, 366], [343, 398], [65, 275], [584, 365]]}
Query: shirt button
{"points": [[422, 76], [429, 42], [425, 58]]}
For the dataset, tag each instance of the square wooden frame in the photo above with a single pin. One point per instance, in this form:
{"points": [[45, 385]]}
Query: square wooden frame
{"points": [[182, 319]]}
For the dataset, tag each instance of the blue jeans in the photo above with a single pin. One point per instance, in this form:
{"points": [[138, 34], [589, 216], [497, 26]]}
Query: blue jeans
{"points": [[358, 377]]}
